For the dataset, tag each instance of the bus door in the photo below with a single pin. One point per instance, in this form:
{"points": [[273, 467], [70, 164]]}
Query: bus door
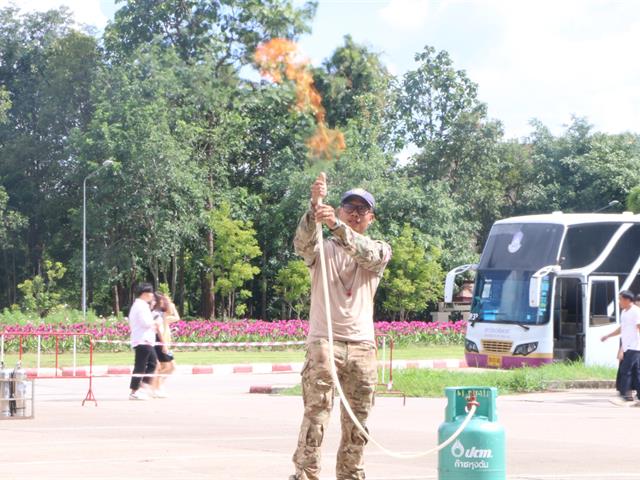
{"points": [[602, 317]]}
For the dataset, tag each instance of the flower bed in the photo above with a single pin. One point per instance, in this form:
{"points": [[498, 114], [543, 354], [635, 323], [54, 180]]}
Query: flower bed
{"points": [[404, 333]]}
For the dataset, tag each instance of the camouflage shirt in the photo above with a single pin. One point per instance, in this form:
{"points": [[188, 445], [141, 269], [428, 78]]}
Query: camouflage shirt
{"points": [[355, 264]]}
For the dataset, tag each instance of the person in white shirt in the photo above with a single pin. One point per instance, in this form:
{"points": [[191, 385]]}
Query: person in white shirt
{"points": [[629, 331], [143, 336]]}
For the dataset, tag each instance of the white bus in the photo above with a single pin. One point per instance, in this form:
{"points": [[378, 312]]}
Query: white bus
{"points": [[547, 289]]}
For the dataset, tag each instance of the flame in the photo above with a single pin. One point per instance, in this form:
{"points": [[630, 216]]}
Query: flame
{"points": [[278, 56], [458, 449]]}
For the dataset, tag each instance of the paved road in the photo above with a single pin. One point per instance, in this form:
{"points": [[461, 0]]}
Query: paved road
{"points": [[212, 428]]}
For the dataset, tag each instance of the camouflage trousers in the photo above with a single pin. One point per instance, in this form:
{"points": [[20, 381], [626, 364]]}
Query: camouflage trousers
{"points": [[357, 371]]}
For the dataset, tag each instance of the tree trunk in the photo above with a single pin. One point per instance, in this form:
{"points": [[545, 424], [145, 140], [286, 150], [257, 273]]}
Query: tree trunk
{"points": [[14, 282], [7, 275], [263, 287], [116, 300], [179, 298], [174, 276], [134, 274], [123, 295], [208, 299], [153, 267]]}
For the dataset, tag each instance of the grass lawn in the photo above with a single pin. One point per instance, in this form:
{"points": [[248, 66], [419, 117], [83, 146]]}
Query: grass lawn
{"points": [[431, 383], [211, 357]]}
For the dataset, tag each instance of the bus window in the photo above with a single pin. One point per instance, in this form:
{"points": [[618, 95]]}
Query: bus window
{"points": [[603, 298], [518, 246], [502, 296], [623, 255], [584, 243]]}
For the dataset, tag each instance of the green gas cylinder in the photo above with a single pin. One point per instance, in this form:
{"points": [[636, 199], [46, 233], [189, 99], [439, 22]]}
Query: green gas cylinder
{"points": [[479, 452]]}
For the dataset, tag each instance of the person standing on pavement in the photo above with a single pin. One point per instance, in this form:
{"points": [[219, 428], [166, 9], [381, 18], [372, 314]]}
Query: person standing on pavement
{"points": [[166, 314], [629, 331], [355, 263], [143, 336]]}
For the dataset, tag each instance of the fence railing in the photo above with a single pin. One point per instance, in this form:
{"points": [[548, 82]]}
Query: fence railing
{"points": [[7, 337]]}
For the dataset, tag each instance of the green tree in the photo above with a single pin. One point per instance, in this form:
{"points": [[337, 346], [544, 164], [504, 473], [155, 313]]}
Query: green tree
{"points": [[440, 113], [414, 277], [216, 39], [146, 214], [293, 285], [12, 223], [352, 73], [47, 68], [580, 170], [633, 200], [39, 293], [236, 247], [227, 30], [5, 104]]}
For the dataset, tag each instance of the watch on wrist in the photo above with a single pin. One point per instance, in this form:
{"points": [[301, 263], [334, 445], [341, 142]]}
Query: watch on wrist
{"points": [[336, 226]]}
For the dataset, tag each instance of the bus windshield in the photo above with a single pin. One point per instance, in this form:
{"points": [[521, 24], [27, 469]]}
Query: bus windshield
{"points": [[502, 296]]}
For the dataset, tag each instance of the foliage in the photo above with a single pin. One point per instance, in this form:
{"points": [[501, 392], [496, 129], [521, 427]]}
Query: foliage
{"points": [[580, 171], [227, 30], [39, 293], [440, 113], [47, 67], [11, 222], [414, 276], [431, 383], [199, 331], [293, 284], [5, 104], [236, 247], [633, 200]]}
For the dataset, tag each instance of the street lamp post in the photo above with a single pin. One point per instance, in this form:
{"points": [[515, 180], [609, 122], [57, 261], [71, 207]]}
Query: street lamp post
{"points": [[612, 203], [106, 163]]}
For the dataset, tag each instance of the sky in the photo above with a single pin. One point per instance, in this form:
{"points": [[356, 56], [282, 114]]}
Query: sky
{"points": [[542, 59]]}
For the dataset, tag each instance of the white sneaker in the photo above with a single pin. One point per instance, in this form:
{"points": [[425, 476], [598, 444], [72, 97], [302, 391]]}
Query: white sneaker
{"points": [[138, 395], [160, 393], [623, 402]]}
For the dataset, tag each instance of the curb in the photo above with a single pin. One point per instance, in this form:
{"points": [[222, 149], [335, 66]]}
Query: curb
{"points": [[269, 389], [432, 364], [229, 369], [578, 384]]}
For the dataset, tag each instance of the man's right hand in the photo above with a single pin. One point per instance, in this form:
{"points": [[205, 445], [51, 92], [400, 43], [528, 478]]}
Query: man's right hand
{"points": [[319, 189]]}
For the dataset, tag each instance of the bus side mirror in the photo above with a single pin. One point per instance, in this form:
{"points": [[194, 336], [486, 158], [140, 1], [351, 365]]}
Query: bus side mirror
{"points": [[535, 284], [449, 283], [450, 280], [535, 292]]}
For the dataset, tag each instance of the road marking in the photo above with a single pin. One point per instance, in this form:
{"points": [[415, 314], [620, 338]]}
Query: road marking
{"points": [[119, 460], [556, 476]]}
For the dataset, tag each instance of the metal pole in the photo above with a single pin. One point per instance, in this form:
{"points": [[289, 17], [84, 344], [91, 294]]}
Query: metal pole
{"points": [[106, 163], [84, 249], [384, 357]]}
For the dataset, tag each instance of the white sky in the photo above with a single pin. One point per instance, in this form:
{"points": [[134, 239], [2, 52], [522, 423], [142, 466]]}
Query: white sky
{"points": [[540, 59]]}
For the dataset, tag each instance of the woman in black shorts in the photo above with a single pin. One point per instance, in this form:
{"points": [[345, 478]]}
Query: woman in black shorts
{"points": [[165, 314]]}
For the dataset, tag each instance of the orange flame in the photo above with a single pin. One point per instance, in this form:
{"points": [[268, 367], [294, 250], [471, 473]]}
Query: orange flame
{"points": [[278, 55]]}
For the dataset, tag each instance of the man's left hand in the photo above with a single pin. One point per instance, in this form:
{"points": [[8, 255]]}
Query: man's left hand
{"points": [[325, 214]]}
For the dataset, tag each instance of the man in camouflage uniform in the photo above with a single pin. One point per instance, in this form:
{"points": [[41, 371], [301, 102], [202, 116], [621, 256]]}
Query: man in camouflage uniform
{"points": [[355, 264]]}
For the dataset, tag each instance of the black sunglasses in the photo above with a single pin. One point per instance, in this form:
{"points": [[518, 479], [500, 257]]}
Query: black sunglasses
{"points": [[361, 209]]}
